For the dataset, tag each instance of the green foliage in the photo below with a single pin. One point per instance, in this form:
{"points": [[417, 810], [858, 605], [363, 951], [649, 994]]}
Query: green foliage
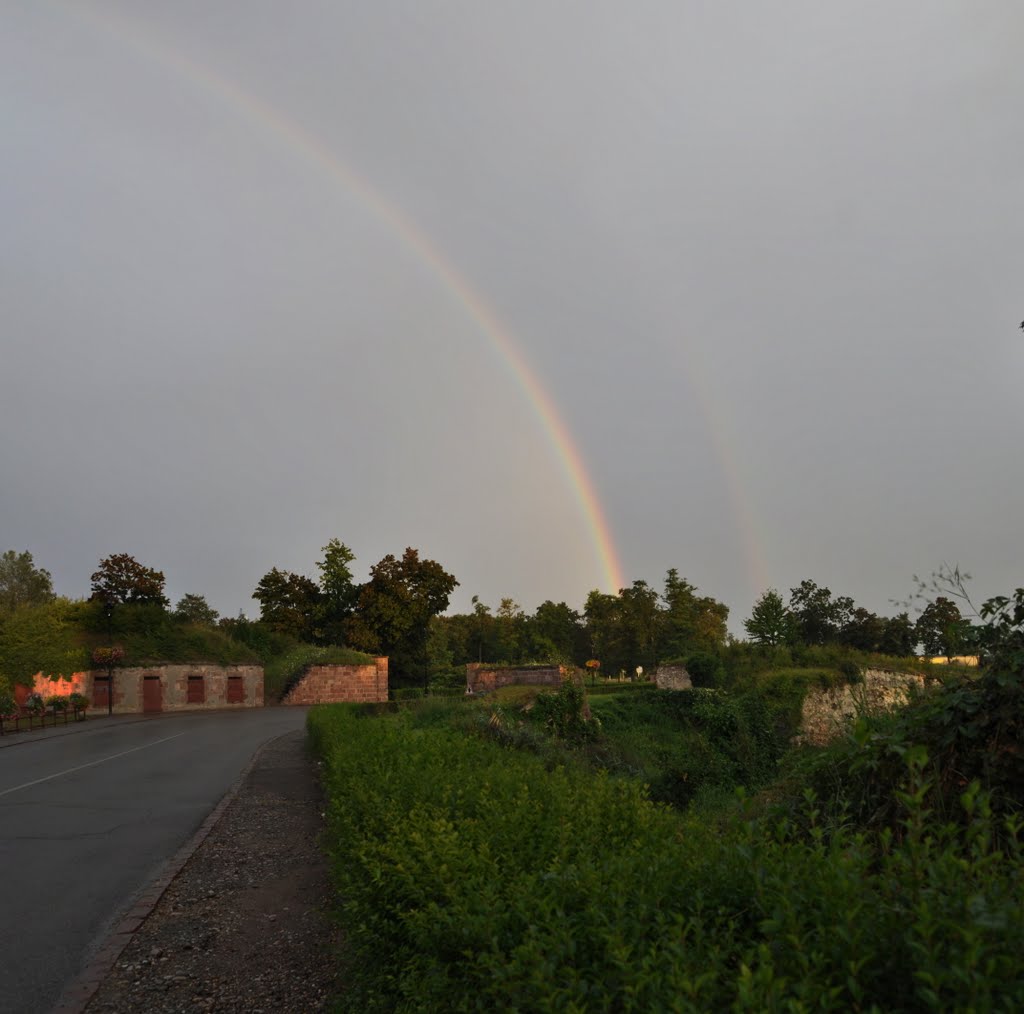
{"points": [[280, 674], [940, 627], [395, 608], [566, 714], [471, 877], [195, 609], [57, 702], [338, 593], [289, 603], [7, 702], [705, 669], [22, 583], [770, 623], [79, 702], [687, 743], [122, 580], [42, 638], [149, 635]]}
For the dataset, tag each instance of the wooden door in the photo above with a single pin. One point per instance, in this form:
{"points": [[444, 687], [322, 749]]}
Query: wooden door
{"points": [[101, 692], [152, 694]]}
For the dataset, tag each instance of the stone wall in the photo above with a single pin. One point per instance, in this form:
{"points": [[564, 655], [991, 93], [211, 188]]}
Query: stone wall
{"points": [[826, 713], [333, 684], [672, 677], [482, 677], [219, 686]]}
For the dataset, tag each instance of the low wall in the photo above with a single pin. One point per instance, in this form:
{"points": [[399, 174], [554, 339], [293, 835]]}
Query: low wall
{"points": [[212, 686], [827, 713], [334, 684], [481, 677], [672, 677]]}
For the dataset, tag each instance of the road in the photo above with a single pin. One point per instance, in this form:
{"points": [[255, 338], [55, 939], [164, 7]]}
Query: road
{"points": [[88, 819]]}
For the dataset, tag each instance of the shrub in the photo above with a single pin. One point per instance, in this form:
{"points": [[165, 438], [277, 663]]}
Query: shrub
{"points": [[7, 701], [79, 702], [705, 669], [473, 878], [56, 702]]}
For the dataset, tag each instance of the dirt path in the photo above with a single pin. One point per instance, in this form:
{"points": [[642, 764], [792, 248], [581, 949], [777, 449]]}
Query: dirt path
{"points": [[242, 927]]}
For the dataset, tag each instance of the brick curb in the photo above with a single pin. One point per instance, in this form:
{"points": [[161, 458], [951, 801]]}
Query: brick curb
{"points": [[76, 997]]}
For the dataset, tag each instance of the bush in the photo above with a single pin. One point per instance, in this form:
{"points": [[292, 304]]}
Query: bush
{"points": [[473, 878], [705, 669], [7, 701]]}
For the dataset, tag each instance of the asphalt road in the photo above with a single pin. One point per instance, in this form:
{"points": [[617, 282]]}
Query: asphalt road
{"points": [[88, 817]]}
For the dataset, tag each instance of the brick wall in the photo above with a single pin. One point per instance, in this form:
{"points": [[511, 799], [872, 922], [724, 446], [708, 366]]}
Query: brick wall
{"points": [[334, 684], [481, 677]]}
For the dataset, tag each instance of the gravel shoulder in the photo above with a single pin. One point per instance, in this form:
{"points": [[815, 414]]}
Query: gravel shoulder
{"points": [[243, 926]]}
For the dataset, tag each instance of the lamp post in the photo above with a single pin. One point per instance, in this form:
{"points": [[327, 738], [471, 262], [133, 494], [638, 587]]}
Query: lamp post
{"points": [[108, 609]]}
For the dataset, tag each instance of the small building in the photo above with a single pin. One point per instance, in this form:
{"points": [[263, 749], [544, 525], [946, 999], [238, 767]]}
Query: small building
{"points": [[152, 689]]}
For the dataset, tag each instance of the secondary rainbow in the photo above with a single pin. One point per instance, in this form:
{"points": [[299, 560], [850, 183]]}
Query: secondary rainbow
{"points": [[265, 117]]}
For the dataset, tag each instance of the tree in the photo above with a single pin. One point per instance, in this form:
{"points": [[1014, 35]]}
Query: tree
{"points": [[555, 632], [288, 603], [122, 580], [338, 593], [898, 636], [395, 607], [689, 622], [863, 630], [195, 609], [510, 622], [22, 583], [940, 627], [818, 617], [770, 622]]}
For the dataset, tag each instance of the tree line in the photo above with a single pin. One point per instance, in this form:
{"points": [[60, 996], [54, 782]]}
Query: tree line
{"points": [[400, 612]]}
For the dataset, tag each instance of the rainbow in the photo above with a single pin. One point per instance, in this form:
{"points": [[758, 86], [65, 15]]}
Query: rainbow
{"points": [[266, 118]]}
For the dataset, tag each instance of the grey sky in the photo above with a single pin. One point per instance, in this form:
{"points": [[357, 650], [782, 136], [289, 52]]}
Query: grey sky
{"points": [[765, 257]]}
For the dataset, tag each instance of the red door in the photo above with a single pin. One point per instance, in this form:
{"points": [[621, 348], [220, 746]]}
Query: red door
{"points": [[100, 692], [152, 694]]}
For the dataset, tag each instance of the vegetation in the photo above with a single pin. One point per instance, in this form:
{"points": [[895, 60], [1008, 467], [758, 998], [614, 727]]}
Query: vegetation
{"points": [[22, 583], [512, 853]]}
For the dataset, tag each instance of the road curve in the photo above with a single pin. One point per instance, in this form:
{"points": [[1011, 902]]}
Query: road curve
{"points": [[88, 819]]}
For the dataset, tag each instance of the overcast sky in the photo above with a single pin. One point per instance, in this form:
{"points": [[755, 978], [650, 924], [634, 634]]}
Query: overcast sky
{"points": [[766, 260]]}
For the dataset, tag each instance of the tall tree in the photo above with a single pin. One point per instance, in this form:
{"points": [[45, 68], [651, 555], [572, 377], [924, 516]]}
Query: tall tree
{"points": [[338, 592], [940, 627], [690, 622], [289, 603], [770, 622], [122, 580], [22, 583], [510, 623], [395, 607]]}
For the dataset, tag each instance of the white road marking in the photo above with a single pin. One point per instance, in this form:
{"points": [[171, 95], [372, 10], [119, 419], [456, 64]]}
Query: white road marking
{"points": [[91, 764]]}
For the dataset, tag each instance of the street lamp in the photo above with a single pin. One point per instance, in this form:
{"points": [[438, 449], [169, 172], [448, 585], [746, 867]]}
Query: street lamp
{"points": [[108, 609]]}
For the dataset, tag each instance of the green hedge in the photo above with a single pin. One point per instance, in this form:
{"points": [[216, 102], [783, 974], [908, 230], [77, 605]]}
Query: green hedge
{"points": [[471, 877]]}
